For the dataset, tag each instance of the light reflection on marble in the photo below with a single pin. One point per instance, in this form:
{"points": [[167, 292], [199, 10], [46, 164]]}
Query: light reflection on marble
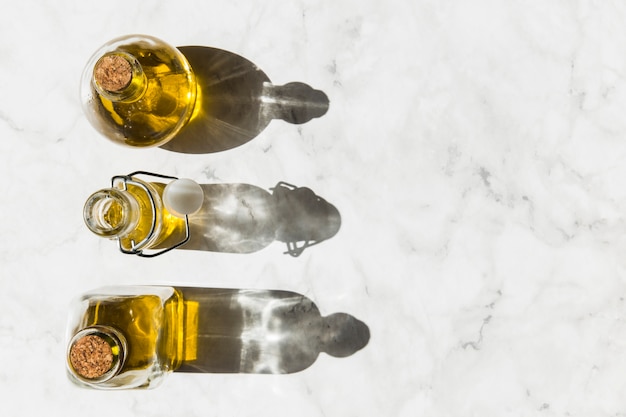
{"points": [[475, 150]]}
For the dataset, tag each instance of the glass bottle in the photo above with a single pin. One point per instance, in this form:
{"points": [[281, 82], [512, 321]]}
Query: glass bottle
{"points": [[132, 212], [139, 91], [128, 338], [133, 336]]}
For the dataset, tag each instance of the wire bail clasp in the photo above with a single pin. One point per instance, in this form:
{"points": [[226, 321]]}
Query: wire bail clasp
{"points": [[122, 182]]}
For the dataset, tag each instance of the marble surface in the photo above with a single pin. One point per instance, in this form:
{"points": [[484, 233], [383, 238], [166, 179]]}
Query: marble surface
{"points": [[475, 150]]}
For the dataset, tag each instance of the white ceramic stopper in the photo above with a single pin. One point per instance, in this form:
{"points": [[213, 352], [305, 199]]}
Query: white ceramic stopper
{"points": [[182, 197]]}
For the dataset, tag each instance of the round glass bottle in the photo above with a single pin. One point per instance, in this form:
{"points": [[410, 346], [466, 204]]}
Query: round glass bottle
{"points": [[132, 212], [138, 91]]}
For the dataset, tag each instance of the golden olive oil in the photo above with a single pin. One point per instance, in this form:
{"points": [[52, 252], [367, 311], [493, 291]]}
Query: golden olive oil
{"points": [[162, 99], [171, 229], [154, 330], [134, 214]]}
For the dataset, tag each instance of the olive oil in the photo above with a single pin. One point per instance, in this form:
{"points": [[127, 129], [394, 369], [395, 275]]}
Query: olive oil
{"points": [[145, 327], [151, 328], [171, 230], [127, 215], [139, 91]]}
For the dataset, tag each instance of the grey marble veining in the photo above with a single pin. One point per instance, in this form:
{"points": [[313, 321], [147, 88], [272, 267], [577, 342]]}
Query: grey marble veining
{"points": [[475, 150]]}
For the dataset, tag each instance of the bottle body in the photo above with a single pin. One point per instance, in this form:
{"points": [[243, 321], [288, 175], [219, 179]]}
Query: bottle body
{"points": [[132, 211], [143, 328], [138, 91]]}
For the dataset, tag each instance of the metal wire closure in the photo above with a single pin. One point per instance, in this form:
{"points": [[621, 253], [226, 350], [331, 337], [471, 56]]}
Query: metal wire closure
{"points": [[124, 180]]}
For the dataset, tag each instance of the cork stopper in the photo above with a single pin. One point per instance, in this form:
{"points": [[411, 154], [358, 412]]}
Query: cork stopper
{"points": [[91, 356], [113, 73]]}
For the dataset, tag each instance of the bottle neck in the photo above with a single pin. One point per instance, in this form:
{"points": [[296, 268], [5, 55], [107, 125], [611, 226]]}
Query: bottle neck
{"points": [[96, 354], [119, 77], [111, 213]]}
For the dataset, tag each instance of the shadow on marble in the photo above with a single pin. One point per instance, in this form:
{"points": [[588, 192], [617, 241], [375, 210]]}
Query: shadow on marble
{"points": [[266, 332], [244, 218], [237, 101]]}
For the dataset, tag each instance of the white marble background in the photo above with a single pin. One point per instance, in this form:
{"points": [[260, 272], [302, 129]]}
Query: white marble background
{"points": [[475, 149]]}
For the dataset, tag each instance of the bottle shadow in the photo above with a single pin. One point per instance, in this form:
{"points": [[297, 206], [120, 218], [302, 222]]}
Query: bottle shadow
{"points": [[236, 101], [243, 218], [263, 332]]}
